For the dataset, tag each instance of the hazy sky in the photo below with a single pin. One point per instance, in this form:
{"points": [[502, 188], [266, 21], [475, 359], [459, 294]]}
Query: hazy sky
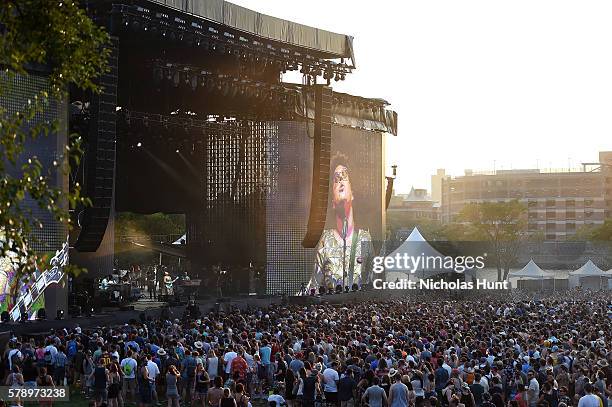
{"points": [[477, 83]]}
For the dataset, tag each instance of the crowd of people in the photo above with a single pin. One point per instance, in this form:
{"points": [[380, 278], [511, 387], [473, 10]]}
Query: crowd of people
{"points": [[519, 352]]}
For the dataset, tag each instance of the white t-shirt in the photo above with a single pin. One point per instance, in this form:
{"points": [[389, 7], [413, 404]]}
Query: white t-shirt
{"points": [[249, 359], [213, 367], [589, 400], [534, 391], [152, 369], [52, 350], [484, 382], [330, 376], [128, 366], [229, 356], [276, 398]]}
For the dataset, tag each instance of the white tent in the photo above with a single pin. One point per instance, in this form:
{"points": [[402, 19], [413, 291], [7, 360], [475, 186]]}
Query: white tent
{"points": [[415, 246], [181, 240], [532, 271], [589, 276]]}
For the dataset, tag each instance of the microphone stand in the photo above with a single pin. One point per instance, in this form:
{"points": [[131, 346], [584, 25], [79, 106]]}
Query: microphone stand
{"points": [[344, 232]]}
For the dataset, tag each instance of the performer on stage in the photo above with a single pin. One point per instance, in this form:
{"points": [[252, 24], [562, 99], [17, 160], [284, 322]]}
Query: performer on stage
{"points": [[152, 283], [343, 252], [167, 286]]}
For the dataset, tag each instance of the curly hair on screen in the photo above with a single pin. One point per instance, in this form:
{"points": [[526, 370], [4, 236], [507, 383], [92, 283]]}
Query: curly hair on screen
{"points": [[339, 159]]}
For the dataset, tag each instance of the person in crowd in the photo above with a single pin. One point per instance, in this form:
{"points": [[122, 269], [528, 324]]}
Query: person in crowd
{"points": [[202, 382], [398, 392], [375, 395], [216, 393], [100, 376], [45, 380], [172, 393], [145, 394], [227, 400], [114, 386], [274, 400]]}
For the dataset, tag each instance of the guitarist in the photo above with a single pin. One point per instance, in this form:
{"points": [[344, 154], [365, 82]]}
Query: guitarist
{"points": [[168, 282]]}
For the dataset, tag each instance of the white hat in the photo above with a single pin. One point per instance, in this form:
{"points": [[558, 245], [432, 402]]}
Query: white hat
{"points": [[198, 345], [161, 352]]}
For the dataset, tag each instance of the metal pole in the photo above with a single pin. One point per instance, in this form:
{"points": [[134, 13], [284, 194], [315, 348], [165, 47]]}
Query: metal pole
{"points": [[343, 261]]}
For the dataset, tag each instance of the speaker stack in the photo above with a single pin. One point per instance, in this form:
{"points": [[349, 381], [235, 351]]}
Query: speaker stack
{"points": [[320, 165]]}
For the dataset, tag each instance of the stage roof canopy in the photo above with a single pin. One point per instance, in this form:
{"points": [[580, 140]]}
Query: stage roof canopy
{"points": [[243, 19]]}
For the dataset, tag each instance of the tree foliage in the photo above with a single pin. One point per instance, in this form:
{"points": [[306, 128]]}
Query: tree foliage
{"points": [[58, 37], [503, 226], [132, 224], [594, 233]]}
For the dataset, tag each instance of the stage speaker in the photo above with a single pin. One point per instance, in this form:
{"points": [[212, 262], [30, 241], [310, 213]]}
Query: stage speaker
{"points": [[320, 165], [99, 160]]}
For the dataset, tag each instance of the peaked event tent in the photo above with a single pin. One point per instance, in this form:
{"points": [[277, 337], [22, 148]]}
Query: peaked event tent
{"points": [[589, 276], [415, 246], [531, 270]]}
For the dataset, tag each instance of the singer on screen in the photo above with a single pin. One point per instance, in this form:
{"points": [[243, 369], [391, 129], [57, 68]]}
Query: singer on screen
{"points": [[344, 251]]}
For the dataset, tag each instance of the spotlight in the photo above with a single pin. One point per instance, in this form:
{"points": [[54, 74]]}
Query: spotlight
{"points": [[330, 290], [355, 287], [60, 314], [41, 314], [177, 150], [338, 288], [139, 144], [322, 291], [5, 317], [347, 289]]}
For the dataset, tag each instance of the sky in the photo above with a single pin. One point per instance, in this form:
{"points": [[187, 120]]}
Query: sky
{"points": [[477, 84]]}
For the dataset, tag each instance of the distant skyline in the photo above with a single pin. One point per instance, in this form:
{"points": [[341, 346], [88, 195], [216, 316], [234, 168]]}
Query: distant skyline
{"points": [[477, 84]]}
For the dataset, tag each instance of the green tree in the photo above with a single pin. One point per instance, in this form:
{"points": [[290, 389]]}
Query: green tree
{"points": [[133, 224], [603, 232], [59, 36], [503, 226]]}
